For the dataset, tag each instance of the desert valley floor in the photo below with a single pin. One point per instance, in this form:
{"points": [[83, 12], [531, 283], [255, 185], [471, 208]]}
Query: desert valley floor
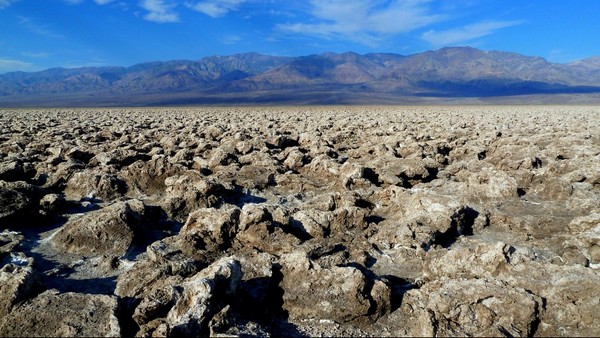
{"points": [[300, 221]]}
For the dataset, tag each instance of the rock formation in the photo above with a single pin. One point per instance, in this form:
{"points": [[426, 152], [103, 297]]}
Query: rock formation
{"points": [[306, 221]]}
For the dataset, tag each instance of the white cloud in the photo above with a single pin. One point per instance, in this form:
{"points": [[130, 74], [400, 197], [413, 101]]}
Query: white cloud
{"points": [[159, 11], [6, 3], [364, 20], [467, 33], [11, 65], [216, 8], [103, 2]]}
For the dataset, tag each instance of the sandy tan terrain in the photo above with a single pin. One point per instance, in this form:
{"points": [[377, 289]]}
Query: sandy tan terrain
{"points": [[386, 221]]}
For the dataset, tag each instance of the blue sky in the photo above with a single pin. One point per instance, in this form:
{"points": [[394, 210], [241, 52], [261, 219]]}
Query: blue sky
{"points": [[40, 34]]}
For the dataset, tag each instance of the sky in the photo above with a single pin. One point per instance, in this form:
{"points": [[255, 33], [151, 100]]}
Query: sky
{"points": [[41, 34]]}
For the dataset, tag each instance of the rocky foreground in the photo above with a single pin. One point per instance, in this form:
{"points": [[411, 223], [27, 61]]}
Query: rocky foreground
{"points": [[382, 221]]}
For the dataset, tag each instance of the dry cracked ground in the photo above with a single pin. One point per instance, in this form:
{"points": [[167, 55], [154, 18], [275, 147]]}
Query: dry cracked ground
{"points": [[306, 221]]}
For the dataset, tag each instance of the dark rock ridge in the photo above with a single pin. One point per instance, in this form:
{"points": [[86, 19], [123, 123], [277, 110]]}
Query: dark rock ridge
{"points": [[325, 78]]}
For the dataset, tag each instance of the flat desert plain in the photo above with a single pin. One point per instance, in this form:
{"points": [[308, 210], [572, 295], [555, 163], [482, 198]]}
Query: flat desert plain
{"points": [[300, 221]]}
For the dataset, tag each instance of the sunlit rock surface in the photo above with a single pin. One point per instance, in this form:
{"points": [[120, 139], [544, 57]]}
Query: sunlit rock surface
{"points": [[300, 221]]}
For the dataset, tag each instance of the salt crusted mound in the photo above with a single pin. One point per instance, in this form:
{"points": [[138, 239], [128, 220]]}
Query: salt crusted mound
{"points": [[384, 221]]}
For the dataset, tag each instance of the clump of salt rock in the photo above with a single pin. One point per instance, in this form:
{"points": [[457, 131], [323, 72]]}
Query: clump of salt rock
{"points": [[300, 221]]}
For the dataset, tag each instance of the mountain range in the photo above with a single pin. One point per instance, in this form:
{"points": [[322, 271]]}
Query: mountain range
{"points": [[329, 78]]}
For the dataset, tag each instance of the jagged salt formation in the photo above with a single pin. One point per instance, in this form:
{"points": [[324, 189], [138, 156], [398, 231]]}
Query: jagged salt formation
{"points": [[278, 221]]}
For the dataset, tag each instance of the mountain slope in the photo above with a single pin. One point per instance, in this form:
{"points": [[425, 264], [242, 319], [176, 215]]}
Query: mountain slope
{"points": [[452, 72], [150, 77]]}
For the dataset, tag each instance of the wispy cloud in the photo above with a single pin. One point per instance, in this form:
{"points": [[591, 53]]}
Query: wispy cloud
{"points": [[231, 39], [560, 56], [99, 2], [6, 3], [37, 28], [36, 55], [82, 64], [364, 21], [467, 33], [11, 65], [160, 11], [215, 8]]}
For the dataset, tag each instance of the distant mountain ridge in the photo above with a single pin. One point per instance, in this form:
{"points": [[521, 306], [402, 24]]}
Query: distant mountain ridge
{"points": [[328, 78]]}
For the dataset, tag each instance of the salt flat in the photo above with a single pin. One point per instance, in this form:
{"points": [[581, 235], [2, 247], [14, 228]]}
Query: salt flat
{"points": [[319, 220]]}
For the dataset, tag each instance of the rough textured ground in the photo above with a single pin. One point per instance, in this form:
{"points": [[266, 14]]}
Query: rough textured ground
{"points": [[299, 221]]}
